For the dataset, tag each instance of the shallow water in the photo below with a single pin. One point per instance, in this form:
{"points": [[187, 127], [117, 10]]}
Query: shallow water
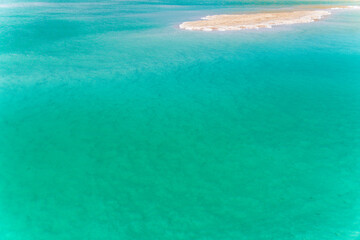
{"points": [[115, 124]]}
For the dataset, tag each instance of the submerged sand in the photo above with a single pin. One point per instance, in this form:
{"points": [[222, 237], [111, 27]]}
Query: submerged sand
{"points": [[258, 20]]}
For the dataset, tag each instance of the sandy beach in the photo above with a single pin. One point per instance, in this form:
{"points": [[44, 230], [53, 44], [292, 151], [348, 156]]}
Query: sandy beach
{"points": [[258, 20]]}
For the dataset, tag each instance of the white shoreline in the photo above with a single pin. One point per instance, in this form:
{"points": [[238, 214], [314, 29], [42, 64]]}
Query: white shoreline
{"points": [[234, 22]]}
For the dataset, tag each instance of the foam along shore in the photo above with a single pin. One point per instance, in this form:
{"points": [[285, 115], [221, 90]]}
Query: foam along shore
{"points": [[258, 20]]}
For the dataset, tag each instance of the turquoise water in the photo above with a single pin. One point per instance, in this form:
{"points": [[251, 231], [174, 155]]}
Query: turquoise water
{"points": [[115, 124]]}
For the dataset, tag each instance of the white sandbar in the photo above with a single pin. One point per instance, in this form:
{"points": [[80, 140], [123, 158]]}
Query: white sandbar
{"points": [[257, 20]]}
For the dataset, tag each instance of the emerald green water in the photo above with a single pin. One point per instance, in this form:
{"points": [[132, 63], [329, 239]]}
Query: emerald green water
{"points": [[115, 124]]}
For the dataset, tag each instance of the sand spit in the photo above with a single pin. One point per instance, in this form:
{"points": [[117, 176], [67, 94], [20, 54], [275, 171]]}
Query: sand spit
{"points": [[258, 20]]}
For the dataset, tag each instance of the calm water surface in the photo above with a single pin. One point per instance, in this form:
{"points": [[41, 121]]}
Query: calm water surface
{"points": [[115, 124]]}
